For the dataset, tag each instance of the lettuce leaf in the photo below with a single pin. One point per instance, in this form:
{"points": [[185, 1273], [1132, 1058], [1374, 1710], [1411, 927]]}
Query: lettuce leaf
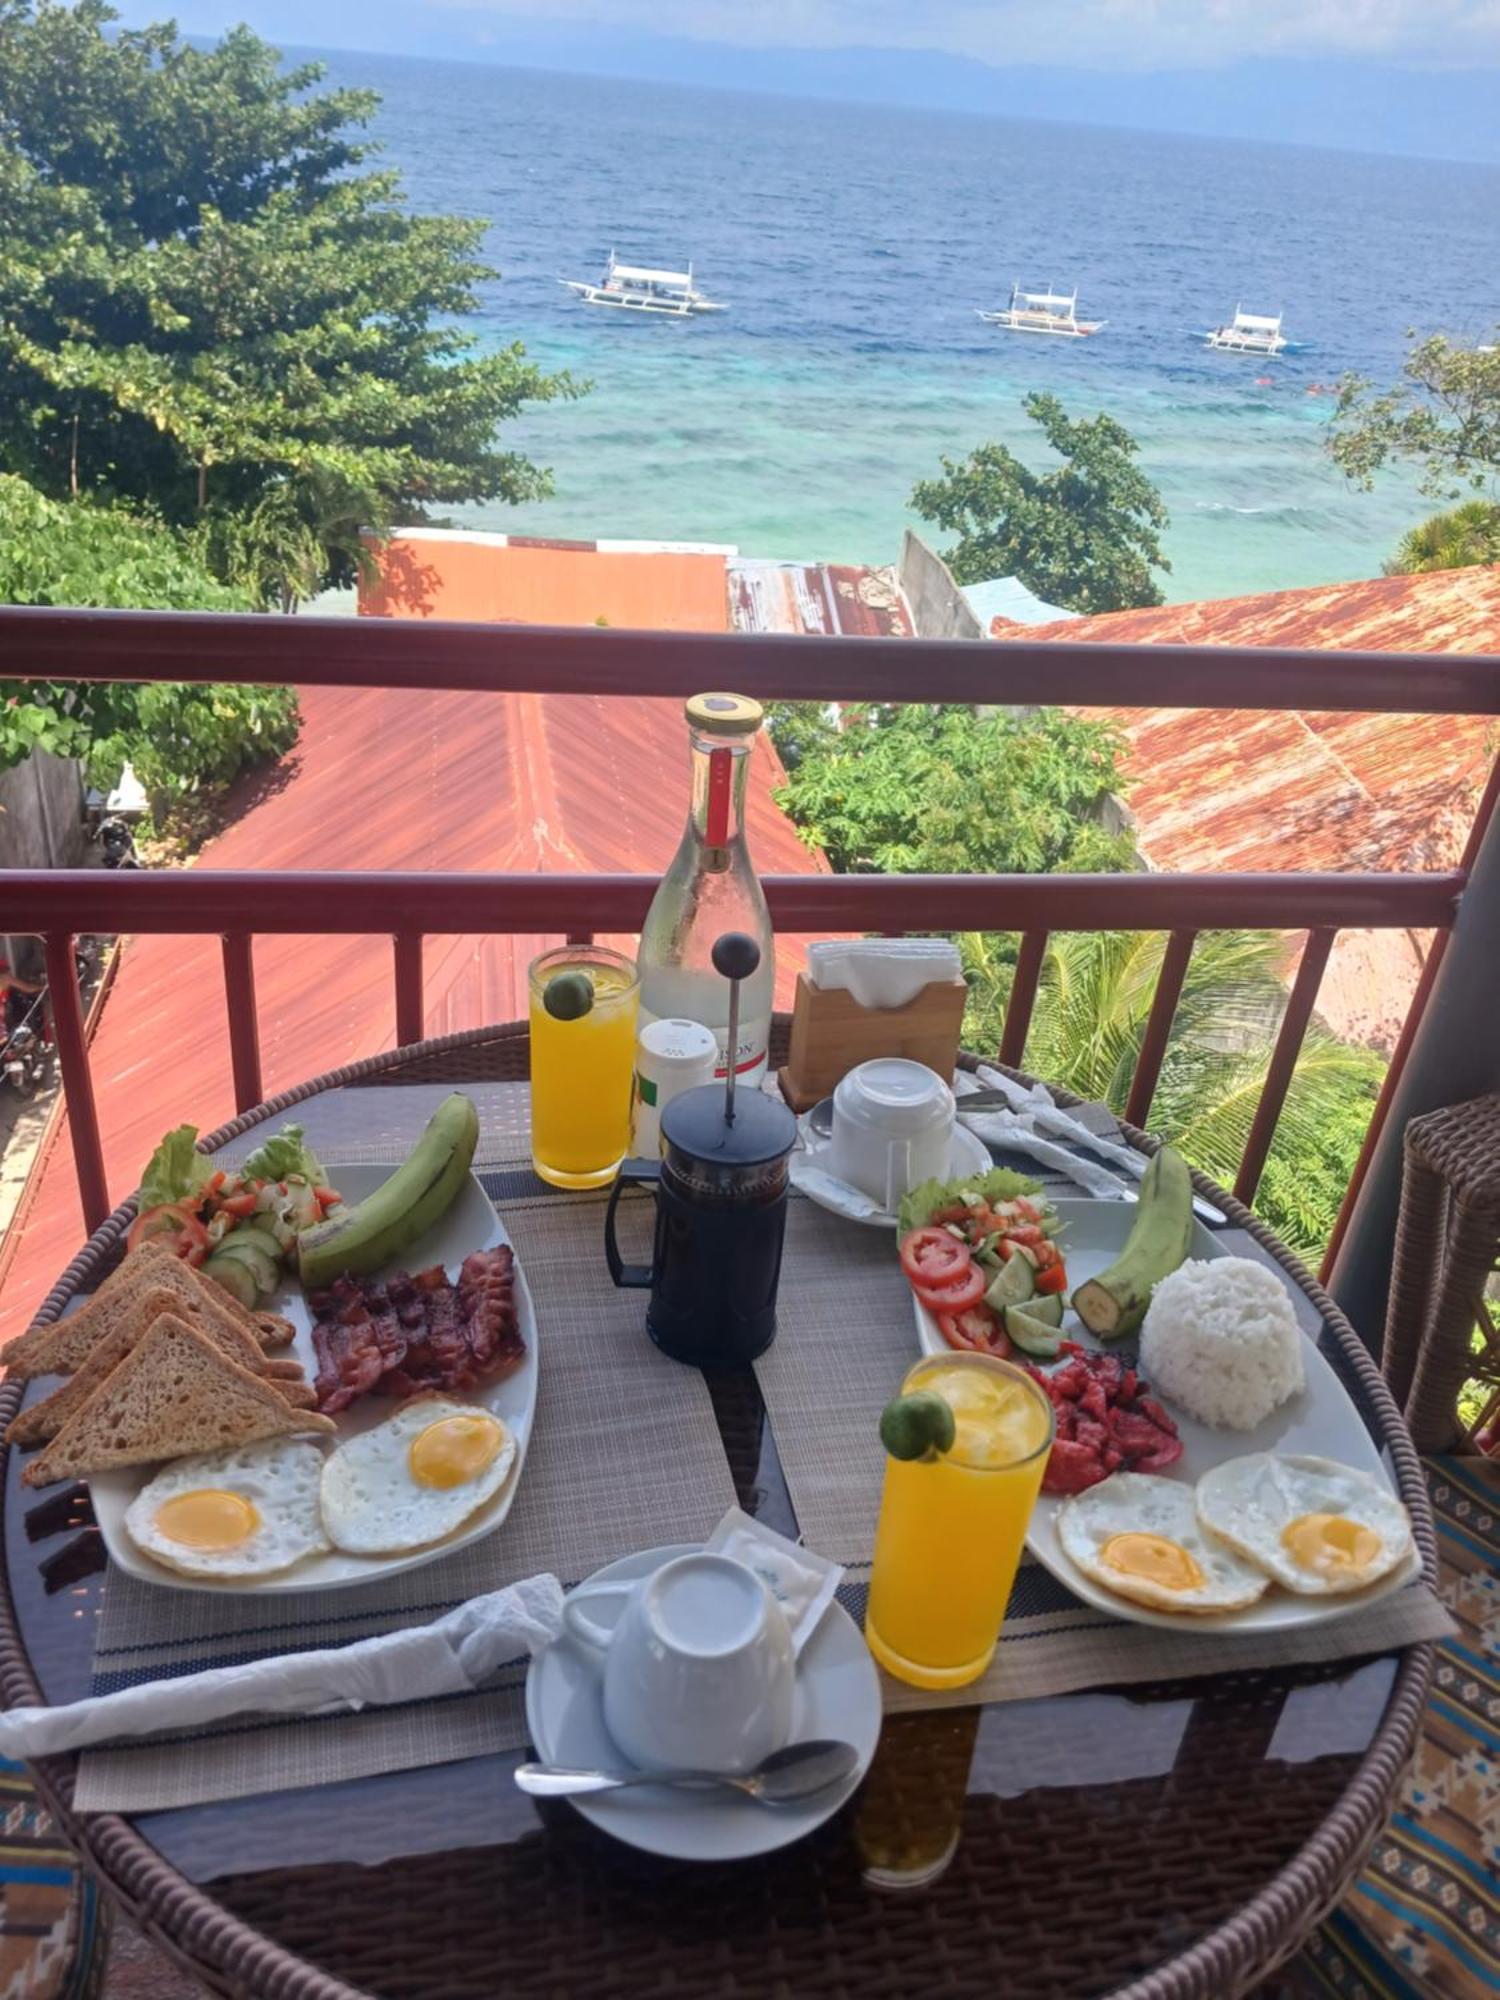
{"points": [[285, 1153], [175, 1171], [999, 1184]]}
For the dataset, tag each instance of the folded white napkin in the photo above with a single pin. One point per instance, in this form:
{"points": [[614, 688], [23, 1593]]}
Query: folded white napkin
{"points": [[882, 972], [454, 1655]]}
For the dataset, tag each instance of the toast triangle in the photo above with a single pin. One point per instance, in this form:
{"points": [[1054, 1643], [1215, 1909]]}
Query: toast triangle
{"points": [[174, 1393]]}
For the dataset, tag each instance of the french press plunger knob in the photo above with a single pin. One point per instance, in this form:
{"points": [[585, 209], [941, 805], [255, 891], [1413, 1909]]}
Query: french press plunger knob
{"points": [[736, 956]]}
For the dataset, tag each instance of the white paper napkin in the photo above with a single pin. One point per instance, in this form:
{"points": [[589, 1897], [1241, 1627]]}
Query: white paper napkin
{"points": [[453, 1655], [882, 972]]}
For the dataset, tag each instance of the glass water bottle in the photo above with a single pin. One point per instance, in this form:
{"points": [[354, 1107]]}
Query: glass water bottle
{"points": [[709, 889]]}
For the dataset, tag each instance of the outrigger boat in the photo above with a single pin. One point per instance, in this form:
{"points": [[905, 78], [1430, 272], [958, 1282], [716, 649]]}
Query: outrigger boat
{"points": [[636, 288], [1249, 333], [1043, 312]]}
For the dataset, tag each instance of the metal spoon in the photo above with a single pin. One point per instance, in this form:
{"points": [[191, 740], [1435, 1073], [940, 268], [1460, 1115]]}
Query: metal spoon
{"points": [[786, 1776]]}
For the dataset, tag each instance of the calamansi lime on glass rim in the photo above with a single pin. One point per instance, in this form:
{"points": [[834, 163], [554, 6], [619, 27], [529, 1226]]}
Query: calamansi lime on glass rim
{"points": [[953, 1516]]}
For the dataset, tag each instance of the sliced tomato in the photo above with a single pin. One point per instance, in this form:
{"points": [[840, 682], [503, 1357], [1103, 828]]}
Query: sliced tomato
{"points": [[978, 1331], [952, 1211], [932, 1257], [175, 1221], [327, 1197], [240, 1204], [1053, 1279], [966, 1290], [1026, 1232], [1029, 1211]]}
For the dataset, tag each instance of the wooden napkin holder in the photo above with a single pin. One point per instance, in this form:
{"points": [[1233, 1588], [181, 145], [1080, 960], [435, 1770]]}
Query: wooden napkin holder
{"points": [[832, 1034]]}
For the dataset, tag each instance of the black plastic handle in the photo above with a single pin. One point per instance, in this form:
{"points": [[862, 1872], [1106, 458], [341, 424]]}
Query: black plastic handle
{"points": [[629, 1277]]}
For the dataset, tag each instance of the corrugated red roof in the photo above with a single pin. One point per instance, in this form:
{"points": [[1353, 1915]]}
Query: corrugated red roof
{"points": [[1226, 789], [561, 784]]}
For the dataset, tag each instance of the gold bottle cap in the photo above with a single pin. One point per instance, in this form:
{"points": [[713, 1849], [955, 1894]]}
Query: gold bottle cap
{"points": [[725, 714]]}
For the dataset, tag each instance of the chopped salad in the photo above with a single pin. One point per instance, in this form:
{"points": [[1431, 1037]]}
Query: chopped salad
{"points": [[982, 1255], [237, 1224]]}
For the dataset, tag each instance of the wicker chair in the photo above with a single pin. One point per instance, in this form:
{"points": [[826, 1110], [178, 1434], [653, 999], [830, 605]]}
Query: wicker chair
{"points": [[1447, 1247]]}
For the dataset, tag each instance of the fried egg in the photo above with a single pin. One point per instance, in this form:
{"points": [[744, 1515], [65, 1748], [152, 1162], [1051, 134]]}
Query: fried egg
{"points": [[1316, 1526], [1140, 1537], [415, 1478], [242, 1513]]}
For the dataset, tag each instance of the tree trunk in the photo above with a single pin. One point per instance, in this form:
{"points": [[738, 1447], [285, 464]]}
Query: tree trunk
{"points": [[73, 460], [202, 487]]}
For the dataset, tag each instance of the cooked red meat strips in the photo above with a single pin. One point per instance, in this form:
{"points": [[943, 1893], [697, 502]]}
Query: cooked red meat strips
{"points": [[409, 1335], [1105, 1420]]}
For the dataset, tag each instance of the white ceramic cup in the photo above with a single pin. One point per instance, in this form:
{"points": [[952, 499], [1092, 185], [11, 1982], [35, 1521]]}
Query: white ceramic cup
{"points": [[699, 1668], [892, 1127]]}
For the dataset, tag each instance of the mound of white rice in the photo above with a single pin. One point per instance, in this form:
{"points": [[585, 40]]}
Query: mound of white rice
{"points": [[1221, 1340]]}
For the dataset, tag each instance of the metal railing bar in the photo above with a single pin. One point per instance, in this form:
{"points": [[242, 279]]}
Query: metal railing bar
{"points": [[78, 1085], [1299, 1008], [1164, 1001], [244, 1031], [410, 1010], [195, 900], [56, 643], [1022, 997]]}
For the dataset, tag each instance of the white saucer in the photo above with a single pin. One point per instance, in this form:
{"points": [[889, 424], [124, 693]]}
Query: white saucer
{"points": [[838, 1695], [810, 1176]]}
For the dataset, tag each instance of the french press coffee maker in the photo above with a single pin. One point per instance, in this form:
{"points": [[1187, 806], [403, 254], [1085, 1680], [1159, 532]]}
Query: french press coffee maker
{"points": [[721, 1188]]}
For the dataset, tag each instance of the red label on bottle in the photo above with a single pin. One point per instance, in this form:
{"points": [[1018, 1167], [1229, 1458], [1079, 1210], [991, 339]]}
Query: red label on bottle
{"points": [[720, 784]]}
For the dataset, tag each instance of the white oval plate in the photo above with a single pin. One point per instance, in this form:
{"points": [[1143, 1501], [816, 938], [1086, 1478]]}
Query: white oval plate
{"points": [[968, 1155], [470, 1224], [1322, 1421], [838, 1695]]}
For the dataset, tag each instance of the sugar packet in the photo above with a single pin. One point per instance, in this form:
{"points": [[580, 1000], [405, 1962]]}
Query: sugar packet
{"points": [[802, 1583]]}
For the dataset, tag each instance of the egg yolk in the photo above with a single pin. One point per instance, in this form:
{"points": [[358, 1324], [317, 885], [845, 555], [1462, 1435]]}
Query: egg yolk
{"points": [[454, 1449], [210, 1518], [1330, 1544], [1153, 1559]]}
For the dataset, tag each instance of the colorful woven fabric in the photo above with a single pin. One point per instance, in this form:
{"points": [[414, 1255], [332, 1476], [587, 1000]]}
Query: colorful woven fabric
{"points": [[1423, 1923], [54, 1935]]}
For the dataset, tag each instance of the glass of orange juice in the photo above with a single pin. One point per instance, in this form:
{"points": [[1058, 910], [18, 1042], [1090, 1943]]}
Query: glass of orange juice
{"points": [[953, 1523], [583, 1008]]}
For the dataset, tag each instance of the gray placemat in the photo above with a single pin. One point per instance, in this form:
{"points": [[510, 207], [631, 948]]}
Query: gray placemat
{"points": [[846, 1337], [625, 1455]]}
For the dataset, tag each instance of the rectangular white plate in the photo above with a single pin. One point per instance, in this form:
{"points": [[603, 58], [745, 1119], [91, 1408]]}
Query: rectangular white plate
{"points": [[471, 1224], [1321, 1421]]}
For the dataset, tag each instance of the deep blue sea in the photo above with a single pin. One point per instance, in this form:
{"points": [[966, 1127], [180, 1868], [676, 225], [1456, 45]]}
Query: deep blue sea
{"points": [[853, 245]]}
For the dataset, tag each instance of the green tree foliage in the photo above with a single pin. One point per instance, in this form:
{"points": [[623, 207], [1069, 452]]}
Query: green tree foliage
{"points": [[1084, 535], [1462, 538], [177, 739], [1444, 416], [917, 790], [210, 305], [1093, 1000]]}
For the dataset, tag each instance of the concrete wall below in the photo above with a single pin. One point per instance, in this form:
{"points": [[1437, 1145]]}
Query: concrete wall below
{"points": [[41, 813]]}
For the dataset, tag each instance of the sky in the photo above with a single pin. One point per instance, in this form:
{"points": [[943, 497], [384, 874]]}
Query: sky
{"points": [[1406, 76]]}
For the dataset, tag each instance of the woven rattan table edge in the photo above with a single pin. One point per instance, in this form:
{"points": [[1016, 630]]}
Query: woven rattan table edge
{"points": [[231, 1957]]}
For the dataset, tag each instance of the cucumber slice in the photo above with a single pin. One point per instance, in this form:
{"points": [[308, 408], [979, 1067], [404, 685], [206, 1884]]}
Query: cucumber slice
{"points": [[1014, 1286], [236, 1277], [1047, 1307], [254, 1230], [1032, 1335], [264, 1269]]}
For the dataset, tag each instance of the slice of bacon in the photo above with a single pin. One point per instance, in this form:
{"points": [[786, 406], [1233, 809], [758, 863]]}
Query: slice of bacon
{"points": [[408, 1335]]}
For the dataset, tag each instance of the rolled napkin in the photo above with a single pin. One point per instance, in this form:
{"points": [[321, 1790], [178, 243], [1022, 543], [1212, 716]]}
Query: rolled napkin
{"points": [[882, 972], [454, 1655]]}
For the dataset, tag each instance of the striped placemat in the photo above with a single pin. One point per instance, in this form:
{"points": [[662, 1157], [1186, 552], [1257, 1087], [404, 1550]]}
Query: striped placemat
{"points": [[626, 1454], [846, 1337]]}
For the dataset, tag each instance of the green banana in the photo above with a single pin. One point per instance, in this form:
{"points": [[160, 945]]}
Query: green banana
{"points": [[422, 1189], [1115, 1302]]}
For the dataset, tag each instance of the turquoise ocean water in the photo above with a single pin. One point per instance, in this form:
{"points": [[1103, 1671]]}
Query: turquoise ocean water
{"points": [[853, 245]]}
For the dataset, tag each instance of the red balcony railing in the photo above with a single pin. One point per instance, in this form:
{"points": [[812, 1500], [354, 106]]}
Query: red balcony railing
{"points": [[67, 645]]}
